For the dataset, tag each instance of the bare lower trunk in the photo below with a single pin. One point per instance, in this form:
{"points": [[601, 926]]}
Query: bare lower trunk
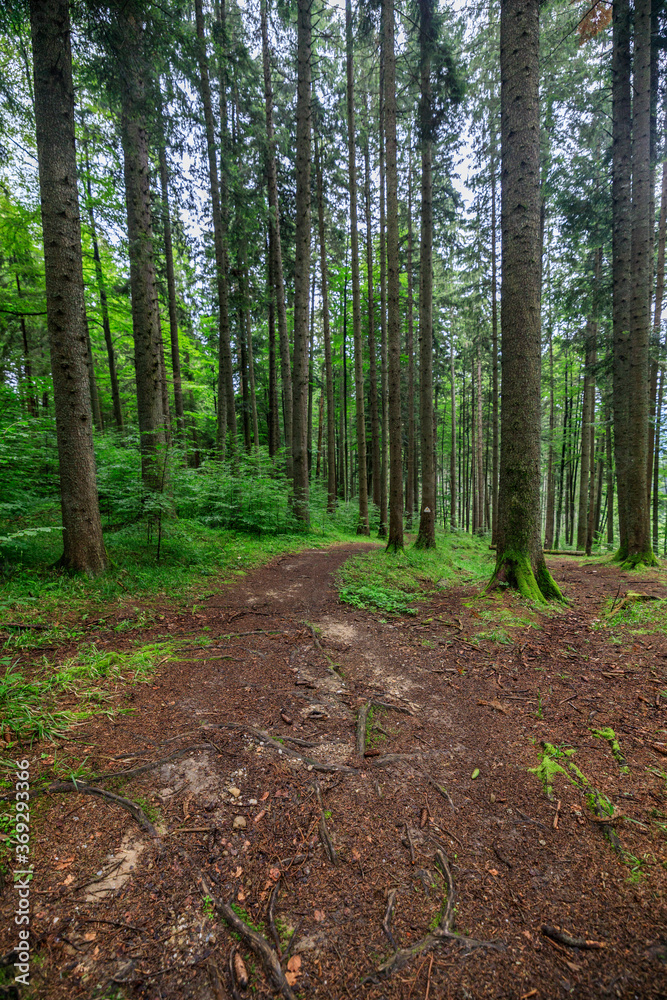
{"points": [[301, 267], [520, 561], [372, 348], [326, 335], [274, 223], [638, 522], [171, 294], [384, 381], [145, 305], [452, 457], [360, 415], [66, 318]]}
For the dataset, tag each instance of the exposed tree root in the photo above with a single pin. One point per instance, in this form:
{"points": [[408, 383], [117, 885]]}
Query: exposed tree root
{"points": [[443, 933], [263, 737], [135, 811], [386, 923], [324, 832], [256, 942], [270, 917], [556, 934]]}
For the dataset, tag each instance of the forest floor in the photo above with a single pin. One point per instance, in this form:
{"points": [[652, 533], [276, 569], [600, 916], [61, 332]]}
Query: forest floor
{"points": [[363, 792]]}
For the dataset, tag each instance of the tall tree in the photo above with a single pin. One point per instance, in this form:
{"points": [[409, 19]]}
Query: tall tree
{"points": [[66, 319], [363, 526], [274, 224], [226, 407], [426, 535], [395, 536], [302, 265], [326, 336], [148, 359], [639, 550], [520, 560]]}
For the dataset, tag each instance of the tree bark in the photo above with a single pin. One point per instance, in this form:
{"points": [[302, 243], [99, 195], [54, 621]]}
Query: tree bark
{"points": [[409, 347], [66, 317], [171, 294], [274, 223], [326, 336], [639, 551], [363, 525], [657, 318], [426, 535], [104, 306], [301, 266], [452, 456], [372, 347], [384, 380], [520, 560], [551, 471], [273, 417], [621, 253], [395, 537], [587, 468], [226, 423], [145, 305]]}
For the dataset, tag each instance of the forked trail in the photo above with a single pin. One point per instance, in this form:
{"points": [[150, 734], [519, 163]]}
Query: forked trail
{"points": [[354, 796]]}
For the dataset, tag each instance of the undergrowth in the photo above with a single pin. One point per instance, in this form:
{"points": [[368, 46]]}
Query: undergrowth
{"points": [[393, 582], [52, 699]]}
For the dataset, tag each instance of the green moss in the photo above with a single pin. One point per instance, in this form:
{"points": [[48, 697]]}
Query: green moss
{"points": [[514, 569], [554, 761], [608, 734]]}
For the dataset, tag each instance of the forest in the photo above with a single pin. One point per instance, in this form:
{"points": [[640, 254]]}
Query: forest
{"points": [[333, 499]]}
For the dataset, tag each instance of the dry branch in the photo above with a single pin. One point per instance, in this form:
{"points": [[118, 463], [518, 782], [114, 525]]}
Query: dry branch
{"points": [[386, 923], [135, 811], [362, 716], [324, 832], [556, 934]]}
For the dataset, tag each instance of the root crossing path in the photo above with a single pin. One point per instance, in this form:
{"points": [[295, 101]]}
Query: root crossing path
{"points": [[346, 806]]}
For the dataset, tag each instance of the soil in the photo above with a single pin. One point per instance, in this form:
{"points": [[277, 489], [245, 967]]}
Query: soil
{"points": [[445, 767]]}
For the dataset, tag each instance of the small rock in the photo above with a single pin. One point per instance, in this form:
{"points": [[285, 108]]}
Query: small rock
{"points": [[236, 792], [252, 802], [492, 797], [239, 823]]}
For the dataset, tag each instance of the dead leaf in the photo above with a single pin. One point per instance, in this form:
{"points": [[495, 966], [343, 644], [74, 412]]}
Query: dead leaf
{"points": [[494, 703], [572, 966], [274, 873], [89, 936], [493, 871], [320, 916], [240, 896], [265, 796], [68, 880], [293, 969], [355, 854]]}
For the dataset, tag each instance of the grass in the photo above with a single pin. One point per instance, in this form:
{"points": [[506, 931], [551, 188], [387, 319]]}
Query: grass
{"points": [[194, 559], [393, 583], [637, 618], [52, 698]]}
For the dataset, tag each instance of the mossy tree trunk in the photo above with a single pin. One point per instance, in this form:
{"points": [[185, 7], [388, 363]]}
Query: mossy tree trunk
{"points": [[520, 560]]}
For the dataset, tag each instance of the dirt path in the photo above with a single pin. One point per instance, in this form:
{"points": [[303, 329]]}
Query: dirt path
{"points": [[461, 716]]}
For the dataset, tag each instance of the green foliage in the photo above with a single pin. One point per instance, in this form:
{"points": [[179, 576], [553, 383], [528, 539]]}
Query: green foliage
{"points": [[392, 582], [608, 734], [554, 761], [32, 706]]}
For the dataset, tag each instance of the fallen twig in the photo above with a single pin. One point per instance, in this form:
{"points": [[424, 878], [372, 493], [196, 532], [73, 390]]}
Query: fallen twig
{"points": [[362, 716], [556, 934], [440, 788], [411, 845]]}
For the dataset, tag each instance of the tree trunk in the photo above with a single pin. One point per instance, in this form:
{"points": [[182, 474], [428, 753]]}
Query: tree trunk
{"points": [[145, 305], [226, 405], [452, 456], [479, 444], [31, 399], [494, 350], [326, 335], [360, 414], [520, 561], [551, 471], [104, 307], [94, 395], [409, 347], [272, 417], [638, 522], [274, 223], [171, 293], [621, 253], [656, 497], [384, 381], [587, 459], [66, 318], [657, 318], [395, 537], [426, 536], [301, 266], [372, 349]]}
